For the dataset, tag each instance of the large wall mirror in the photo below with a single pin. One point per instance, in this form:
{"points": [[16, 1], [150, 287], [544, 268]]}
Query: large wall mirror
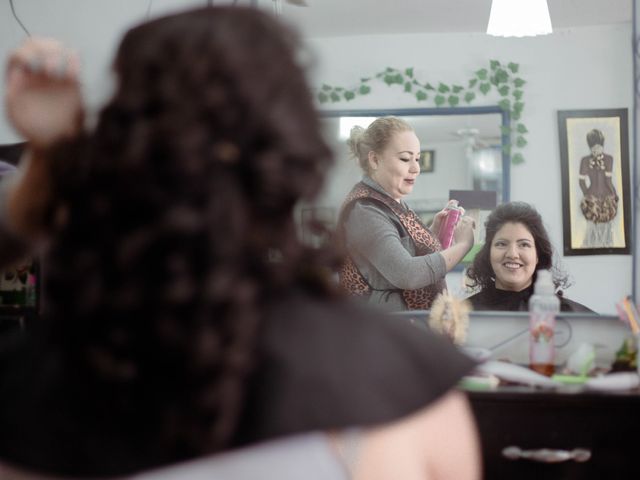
{"points": [[463, 149], [585, 64], [451, 52]]}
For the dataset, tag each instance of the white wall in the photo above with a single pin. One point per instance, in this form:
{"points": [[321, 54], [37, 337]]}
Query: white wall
{"points": [[92, 27], [581, 68]]}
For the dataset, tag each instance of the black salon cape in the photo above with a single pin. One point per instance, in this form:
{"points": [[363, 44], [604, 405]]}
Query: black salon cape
{"points": [[319, 366], [492, 298]]}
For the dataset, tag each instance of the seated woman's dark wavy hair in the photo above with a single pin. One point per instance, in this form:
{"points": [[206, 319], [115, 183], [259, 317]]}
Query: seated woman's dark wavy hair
{"points": [[480, 273], [176, 229]]}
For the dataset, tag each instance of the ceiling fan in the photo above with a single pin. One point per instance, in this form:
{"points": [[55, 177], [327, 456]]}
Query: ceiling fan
{"points": [[277, 4], [472, 139]]}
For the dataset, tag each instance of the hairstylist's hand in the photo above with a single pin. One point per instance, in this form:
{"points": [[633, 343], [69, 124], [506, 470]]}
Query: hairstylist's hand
{"points": [[439, 217], [43, 100], [464, 231]]}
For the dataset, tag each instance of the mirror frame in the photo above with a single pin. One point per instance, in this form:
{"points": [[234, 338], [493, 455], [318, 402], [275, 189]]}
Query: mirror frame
{"points": [[635, 235], [408, 112]]}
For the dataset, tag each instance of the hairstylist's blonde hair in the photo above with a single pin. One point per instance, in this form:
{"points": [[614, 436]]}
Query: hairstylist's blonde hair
{"points": [[374, 138]]}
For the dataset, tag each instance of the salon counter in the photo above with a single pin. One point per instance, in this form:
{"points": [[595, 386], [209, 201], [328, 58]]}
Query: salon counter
{"points": [[599, 433]]}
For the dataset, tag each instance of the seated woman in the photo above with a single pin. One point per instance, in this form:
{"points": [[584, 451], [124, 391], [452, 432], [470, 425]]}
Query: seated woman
{"points": [[183, 316], [393, 260], [516, 246]]}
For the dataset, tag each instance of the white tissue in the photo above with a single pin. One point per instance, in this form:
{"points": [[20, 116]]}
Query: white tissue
{"points": [[516, 373], [614, 381]]}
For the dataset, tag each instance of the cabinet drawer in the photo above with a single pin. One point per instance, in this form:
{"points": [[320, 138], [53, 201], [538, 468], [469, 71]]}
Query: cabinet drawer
{"points": [[605, 425]]}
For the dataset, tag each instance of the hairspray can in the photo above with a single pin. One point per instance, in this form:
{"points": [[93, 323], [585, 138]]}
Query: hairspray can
{"points": [[448, 225]]}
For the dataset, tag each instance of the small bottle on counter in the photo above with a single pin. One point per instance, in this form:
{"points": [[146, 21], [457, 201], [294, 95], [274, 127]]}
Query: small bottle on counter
{"points": [[544, 305]]}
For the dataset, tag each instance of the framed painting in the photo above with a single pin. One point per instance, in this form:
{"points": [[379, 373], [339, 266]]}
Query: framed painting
{"points": [[427, 160], [594, 156]]}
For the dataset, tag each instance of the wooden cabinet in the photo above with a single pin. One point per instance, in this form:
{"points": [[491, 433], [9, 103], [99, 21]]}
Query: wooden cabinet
{"points": [[606, 426]]}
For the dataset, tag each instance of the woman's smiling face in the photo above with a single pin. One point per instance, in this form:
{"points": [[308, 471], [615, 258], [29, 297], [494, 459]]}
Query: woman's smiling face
{"points": [[397, 166], [513, 257]]}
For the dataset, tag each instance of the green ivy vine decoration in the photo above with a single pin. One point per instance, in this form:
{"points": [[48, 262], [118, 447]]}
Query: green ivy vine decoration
{"points": [[502, 78]]}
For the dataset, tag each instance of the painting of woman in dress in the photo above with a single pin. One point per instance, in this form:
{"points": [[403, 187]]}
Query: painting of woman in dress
{"points": [[599, 204], [595, 181]]}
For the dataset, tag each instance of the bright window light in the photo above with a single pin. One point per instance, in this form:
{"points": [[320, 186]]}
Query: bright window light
{"points": [[347, 123]]}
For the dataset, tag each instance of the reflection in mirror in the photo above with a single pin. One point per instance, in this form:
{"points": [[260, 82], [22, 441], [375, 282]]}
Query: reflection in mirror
{"points": [[442, 46], [462, 149]]}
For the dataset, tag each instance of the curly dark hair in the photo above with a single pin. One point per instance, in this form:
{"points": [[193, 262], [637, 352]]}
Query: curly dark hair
{"points": [[176, 229], [481, 274]]}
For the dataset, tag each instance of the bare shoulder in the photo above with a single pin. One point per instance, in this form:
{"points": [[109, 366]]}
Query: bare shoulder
{"points": [[437, 442]]}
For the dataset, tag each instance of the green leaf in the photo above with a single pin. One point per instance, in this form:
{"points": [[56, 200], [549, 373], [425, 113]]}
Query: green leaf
{"points": [[365, 79], [439, 100], [453, 100], [515, 115], [517, 159], [335, 97], [407, 86], [399, 79], [518, 107], [409, 72], [428, 86], [506, 148], [520, 128], [521, 141], [504, 90], [505, 104], [485, 87], [416, 82], [494, 64], [389, 79], [472, 82], [339, 89], [389, 69], [364, 89], [482, 74], [518, 82], [442, 88], [502, 76], [326, 87], [513, 67], [421, 95], [505, 129], [349, 95], [323, 97], [380, 75], [457, 88], [469, 96], [517, 94], [493, 80]]}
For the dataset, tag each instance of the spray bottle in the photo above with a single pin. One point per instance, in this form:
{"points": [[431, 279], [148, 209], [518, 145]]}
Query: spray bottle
{"points": [[449, 224], [544, 305]]}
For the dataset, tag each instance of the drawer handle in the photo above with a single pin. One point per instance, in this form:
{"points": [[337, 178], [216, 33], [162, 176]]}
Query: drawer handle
{"points": [[547, 455]]}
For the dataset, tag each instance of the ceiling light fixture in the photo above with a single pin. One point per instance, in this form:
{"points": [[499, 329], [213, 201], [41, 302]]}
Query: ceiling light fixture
{"points": [[519, 18]]}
